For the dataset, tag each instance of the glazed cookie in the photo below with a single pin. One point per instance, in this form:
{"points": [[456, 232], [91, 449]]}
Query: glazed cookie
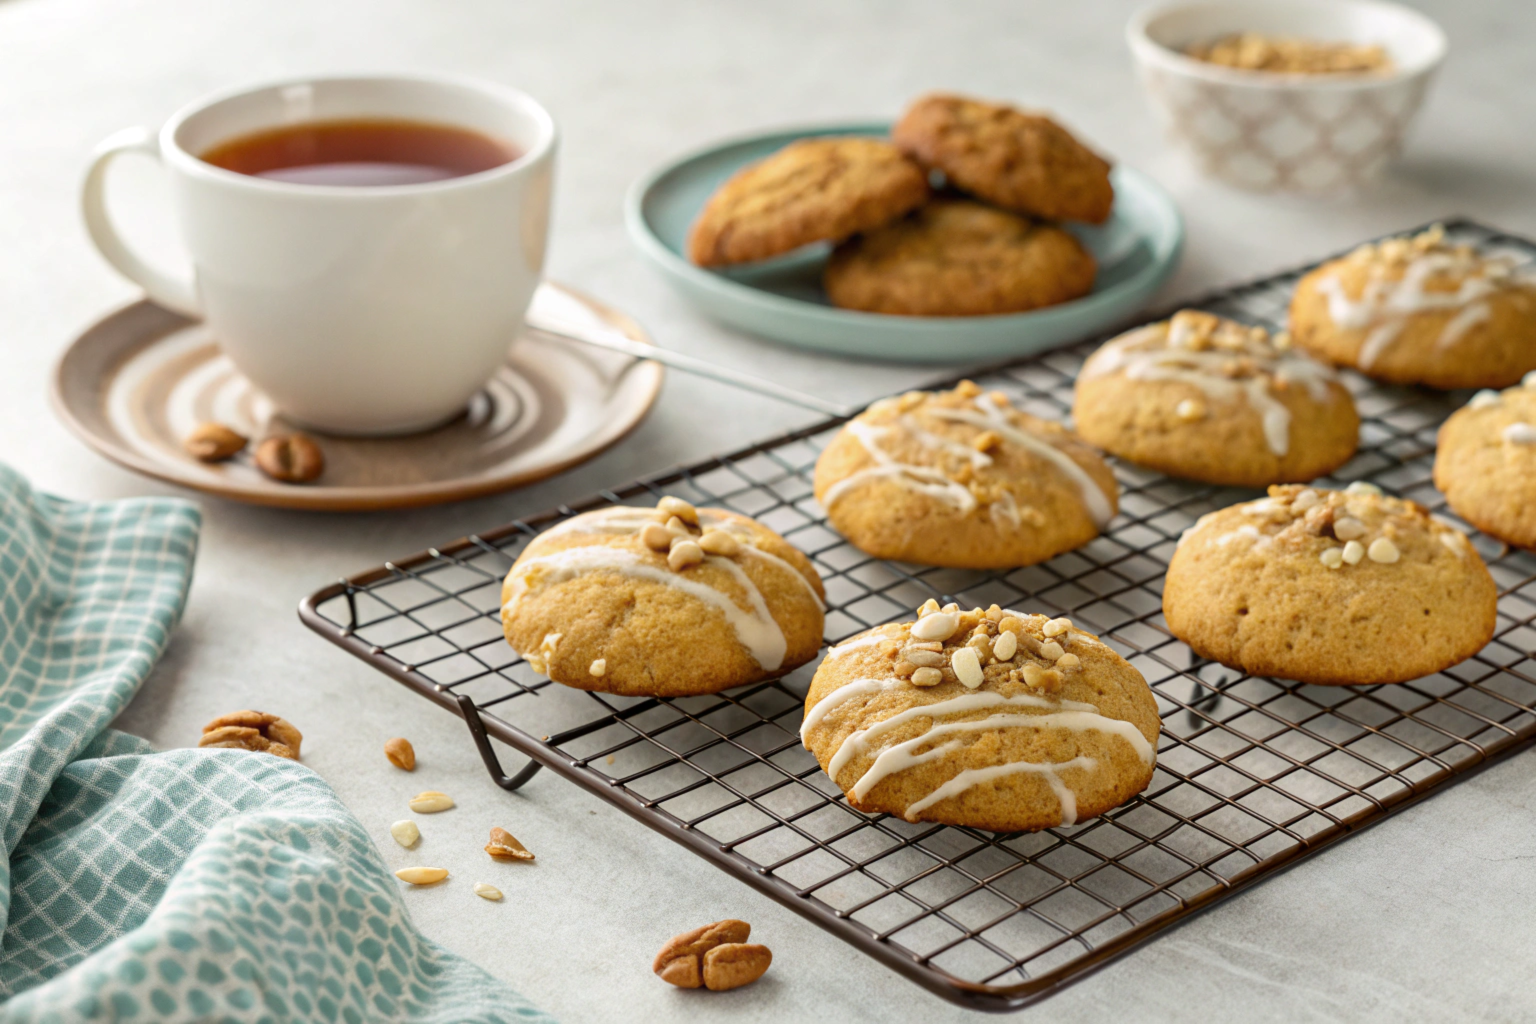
{"points": [[1214, 400], [1329, 587], [1485, 463], [953, 257], [662, 602], [1020, 161], [990, 719], [814, 190], [963, 479], [1420, 311]]}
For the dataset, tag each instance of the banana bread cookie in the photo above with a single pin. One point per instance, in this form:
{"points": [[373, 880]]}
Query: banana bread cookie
{"points": [[665, 602], [813, 190], [1420, 311], [1214, 400], [1485, 463], [990, 719], [963, 479], [954, 257], [1329, 587], [1020, 161]]}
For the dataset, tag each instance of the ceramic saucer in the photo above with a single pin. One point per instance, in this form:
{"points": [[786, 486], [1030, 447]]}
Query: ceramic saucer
{"points": [[137, 382]]}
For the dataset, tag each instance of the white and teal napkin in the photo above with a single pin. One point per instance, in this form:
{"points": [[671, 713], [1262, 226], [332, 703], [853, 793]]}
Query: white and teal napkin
{"points": [[187, 884]]}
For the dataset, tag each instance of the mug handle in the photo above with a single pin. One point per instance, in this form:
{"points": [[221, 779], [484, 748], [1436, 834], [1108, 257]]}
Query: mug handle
{"points": [[175, 292]]}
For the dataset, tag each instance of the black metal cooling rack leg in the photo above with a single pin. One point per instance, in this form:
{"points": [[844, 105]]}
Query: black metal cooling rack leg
{"points": [[471, 712]]}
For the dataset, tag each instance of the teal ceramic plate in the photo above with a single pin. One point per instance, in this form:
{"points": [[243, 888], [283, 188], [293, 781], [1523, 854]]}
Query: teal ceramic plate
{"points": [[1137, 249]]}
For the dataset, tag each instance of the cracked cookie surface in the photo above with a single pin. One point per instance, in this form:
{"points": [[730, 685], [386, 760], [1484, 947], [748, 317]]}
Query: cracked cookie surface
{"points": [[813, 190]]}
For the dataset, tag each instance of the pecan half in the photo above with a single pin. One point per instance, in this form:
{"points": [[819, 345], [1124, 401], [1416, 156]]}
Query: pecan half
{"points": [[734, 964], [681, 961], [253, 730], [291, 458]]}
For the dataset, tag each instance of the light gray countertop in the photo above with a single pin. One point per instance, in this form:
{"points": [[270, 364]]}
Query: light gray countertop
{"points": [[1425, 917]]}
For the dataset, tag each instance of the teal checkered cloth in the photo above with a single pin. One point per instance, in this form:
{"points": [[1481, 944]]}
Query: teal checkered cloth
{"points": [[188, 884]]}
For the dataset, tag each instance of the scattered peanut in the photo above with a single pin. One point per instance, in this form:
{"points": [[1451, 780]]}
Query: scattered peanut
{"points": [[504, 846], [400, 753], [431, 802], [405, 832], [421, 876], [290, 458], [487, 892], [213, 442]]}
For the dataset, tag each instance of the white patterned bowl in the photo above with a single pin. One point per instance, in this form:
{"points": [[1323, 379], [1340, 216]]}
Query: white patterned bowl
{"points": [[1285, 132]]}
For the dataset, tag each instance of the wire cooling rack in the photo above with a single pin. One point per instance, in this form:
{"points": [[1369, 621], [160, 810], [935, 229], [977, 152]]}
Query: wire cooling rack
{"points": [[1253, 774]]}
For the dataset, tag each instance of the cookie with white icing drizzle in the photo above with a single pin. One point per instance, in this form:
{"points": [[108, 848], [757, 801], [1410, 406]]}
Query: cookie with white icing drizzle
{"points": [[992, 719], [1421, 311], [1329, 587], [961, 478], [1485, 463], [1210, 399], [666, 602]]}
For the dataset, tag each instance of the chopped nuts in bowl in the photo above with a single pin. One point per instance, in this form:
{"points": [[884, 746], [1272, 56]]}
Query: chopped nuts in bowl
{"points": [[1287, 95]]}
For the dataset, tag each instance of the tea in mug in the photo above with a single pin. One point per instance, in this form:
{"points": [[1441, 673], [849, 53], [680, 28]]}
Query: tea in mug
{"points": [[361, 152]]}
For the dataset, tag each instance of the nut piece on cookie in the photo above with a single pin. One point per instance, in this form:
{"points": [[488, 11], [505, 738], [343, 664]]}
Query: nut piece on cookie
{"points": [[1485, 463], [1210, 399], [1021, 161], [653, 602], [955, 257], [906, 480], [1420, 310], [1273, 588], [1058, 729], [813, 190], [253, 730]]}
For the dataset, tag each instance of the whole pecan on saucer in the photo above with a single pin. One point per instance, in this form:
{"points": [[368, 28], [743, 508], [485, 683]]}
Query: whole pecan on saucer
{"points": [[253, 730], [213, 442], [290, 458]]}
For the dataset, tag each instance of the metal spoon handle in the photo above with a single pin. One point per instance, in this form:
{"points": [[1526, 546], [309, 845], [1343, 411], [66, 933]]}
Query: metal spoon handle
{"points": [[616, 342]]}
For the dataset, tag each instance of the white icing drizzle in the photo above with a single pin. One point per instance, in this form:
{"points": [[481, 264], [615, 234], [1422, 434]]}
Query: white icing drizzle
{"points": [[1247, 530], [857, 643], [1385, 305], [926, 479], [975, 776], [990, 417], [1005, 508], [841, 696], [1468, 318], [927, 438], [1146, 354], [1520, 433], [757, 630]]}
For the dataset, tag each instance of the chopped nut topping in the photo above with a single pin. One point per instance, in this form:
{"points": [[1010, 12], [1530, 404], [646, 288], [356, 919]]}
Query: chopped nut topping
{"points": [[928, 608], [421, 876], [967, 667], [1362, 487], [1051, 651], [1332, 557], [937, 626], [1067, 662], [1348, 528], [1010, 624], [719, 542], [925, 659], [599, 667], [678, 528], [657, 537], [927, 677], [1353, 552], [995, 614], [1005, 647], [1189, 410], [1253, 51], [1486, 397], [1305, 500], [986, 441], [904, 669], [967, 389], [1384, 551], [684, 555], [670, 506], [982, 646], [1047, 680], [1056, 627]]}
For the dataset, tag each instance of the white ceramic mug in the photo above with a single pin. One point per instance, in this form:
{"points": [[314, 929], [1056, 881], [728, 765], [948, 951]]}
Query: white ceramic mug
{"points": [[357, 309]]}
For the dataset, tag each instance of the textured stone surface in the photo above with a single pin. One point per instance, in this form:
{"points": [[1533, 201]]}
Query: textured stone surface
{"points": [[1426, 916]]}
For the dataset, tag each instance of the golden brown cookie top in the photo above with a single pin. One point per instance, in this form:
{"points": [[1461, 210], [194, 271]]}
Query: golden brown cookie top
{"points": [[1023, 161], [1358, 526], [1378, 287], [1494, 418], [724, 561], [956, 257], [1226, 360], [813, 190], [906, 685], [974, 452]]}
